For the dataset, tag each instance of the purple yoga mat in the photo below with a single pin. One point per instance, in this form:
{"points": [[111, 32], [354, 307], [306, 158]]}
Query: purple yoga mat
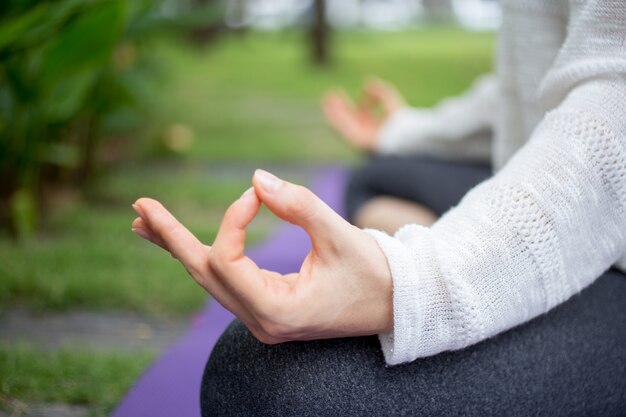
{"points": [[171, 386]]}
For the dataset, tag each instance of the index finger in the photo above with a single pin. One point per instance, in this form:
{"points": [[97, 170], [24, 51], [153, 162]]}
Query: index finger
{"points": [[238, 272]]}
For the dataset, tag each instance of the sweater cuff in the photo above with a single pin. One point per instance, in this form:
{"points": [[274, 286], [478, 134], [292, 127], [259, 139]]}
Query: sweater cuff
{"points": [[397, 344], [402, 127]]}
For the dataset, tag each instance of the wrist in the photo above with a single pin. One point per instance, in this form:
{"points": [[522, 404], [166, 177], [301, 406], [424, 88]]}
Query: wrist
{"points": [[380, 279]]}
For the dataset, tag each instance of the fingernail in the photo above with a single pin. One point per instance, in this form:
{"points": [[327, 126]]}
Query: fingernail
{"points": [[268, 182], [140, 232], [139, 211], [247, 194]]}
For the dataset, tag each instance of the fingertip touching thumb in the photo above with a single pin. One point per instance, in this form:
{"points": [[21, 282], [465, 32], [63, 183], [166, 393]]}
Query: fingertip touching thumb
{"points": [[295, 204], [266, 182]]}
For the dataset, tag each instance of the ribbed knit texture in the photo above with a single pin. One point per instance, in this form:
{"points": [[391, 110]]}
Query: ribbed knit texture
{"points": [[554, 216]]}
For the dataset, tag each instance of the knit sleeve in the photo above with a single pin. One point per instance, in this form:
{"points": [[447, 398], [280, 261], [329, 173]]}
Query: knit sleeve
{"points": [[544, 227], [457, 128]]}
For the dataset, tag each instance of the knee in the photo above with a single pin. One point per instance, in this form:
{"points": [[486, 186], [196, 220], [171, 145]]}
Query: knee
{"points": [[225, 374], [242, 376], [246, 377], [358, 191]]}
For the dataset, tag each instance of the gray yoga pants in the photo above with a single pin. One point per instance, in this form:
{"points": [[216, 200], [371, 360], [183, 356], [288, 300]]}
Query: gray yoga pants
{"points": [[568, 362]]}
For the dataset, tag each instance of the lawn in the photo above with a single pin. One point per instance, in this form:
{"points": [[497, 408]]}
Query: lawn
{"points": [[96, 380], [255, 97], [247, 100]]}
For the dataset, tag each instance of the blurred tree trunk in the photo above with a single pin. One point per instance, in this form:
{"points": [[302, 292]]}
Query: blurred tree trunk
{"points": [[210, 31], [8, 186], [438, 11], [320, 34]]}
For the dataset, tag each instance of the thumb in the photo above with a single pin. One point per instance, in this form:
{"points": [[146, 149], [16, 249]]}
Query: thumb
{"points": [[384, 93], [298, 205]]}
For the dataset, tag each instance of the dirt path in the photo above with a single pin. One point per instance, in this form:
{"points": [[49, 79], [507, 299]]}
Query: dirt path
{"points": [[100, 331], [20, 409]]}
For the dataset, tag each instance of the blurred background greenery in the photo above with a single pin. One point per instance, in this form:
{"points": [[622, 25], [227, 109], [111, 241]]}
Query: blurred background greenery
{"points": [[104, 101]]}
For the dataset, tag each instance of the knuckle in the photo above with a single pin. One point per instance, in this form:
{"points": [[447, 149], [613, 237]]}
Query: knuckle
{"points": [[196, 268], [194, 271], [298, 207], [303, 204], [216, 262]]}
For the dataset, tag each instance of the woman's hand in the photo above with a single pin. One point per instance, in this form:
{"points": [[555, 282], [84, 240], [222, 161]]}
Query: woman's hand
{"points": [[360, 124], [343, 288]]}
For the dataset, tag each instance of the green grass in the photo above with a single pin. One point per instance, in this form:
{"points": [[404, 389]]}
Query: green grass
{"points": [[89, 258], [256, 97], [96, 380], [249, 98]]}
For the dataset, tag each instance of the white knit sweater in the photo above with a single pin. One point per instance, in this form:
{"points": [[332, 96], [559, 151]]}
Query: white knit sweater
{"points": [[553, 218]]}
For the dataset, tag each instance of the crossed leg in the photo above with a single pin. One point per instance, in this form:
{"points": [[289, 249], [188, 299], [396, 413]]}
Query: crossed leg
{"points": [[568, 362], [389, 192]]}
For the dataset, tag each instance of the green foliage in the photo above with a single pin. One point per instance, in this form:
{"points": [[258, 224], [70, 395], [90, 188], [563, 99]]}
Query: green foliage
{"points": [[59, 81], [96, 380]]}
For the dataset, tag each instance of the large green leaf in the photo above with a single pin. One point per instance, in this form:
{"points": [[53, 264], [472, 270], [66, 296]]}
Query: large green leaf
{"points": [[86, 43], [14, 29], [67, 96], [34, 27]]}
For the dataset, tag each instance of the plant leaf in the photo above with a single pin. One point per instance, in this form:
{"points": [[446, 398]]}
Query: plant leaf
{"points": [[86, 43], [66, 97]]}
